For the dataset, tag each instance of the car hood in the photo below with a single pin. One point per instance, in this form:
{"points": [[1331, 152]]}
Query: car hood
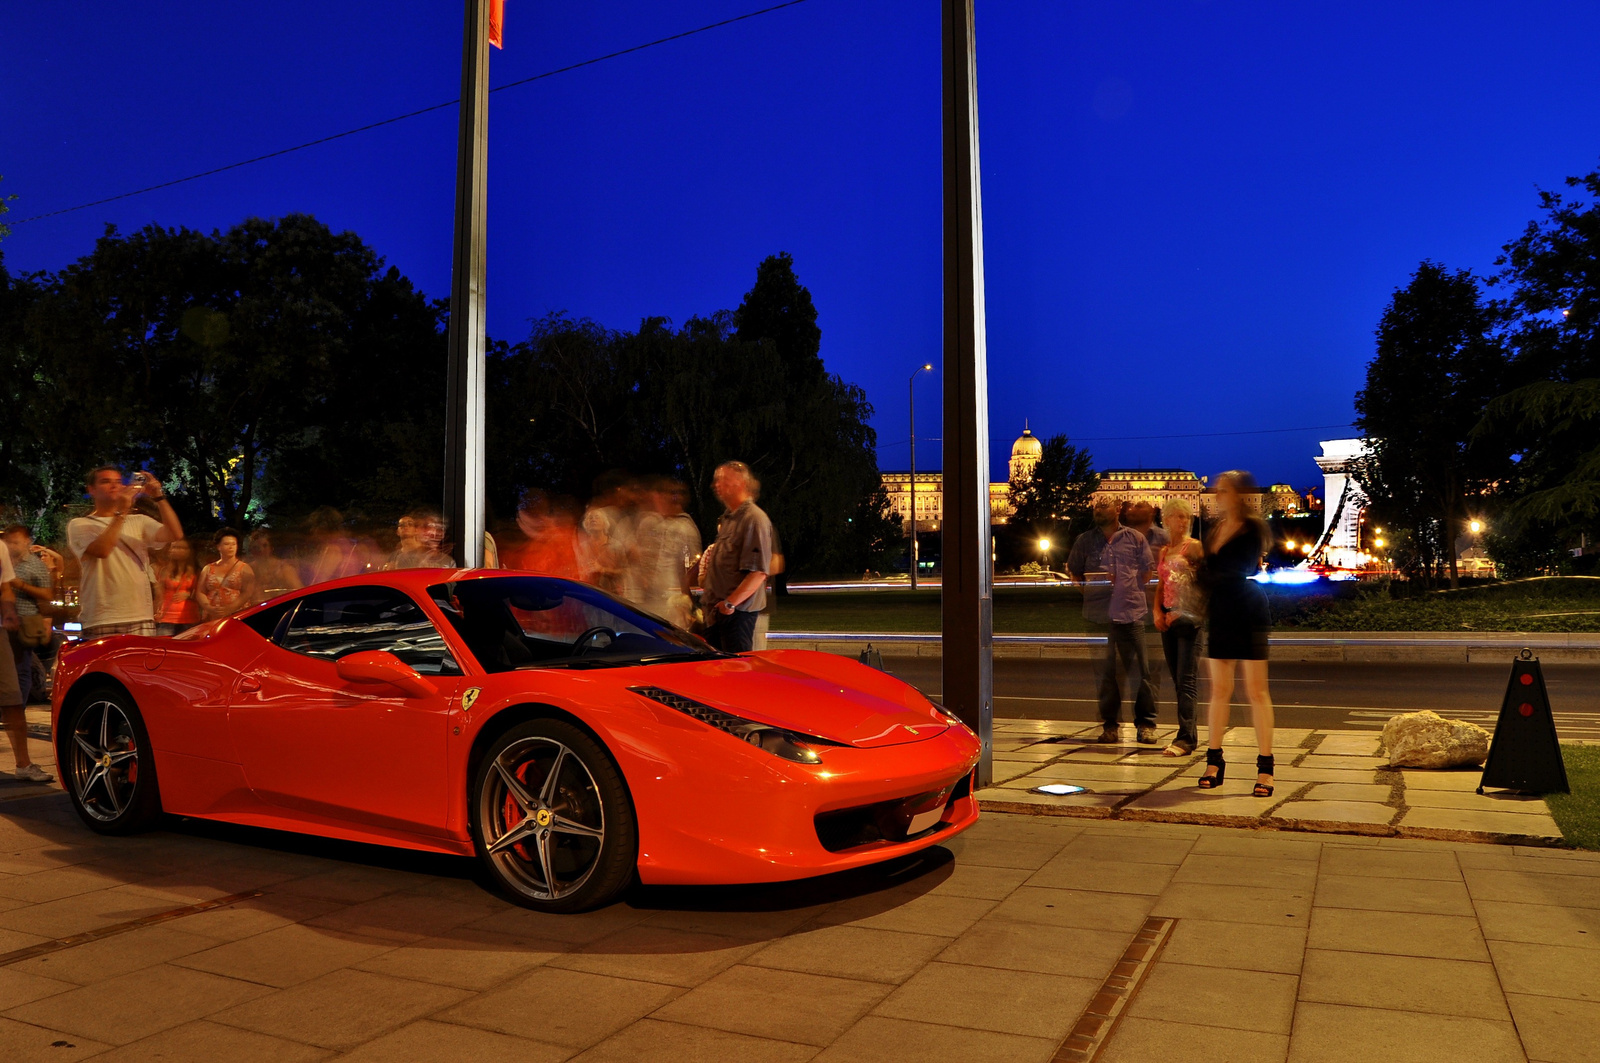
{"points": [[866, 710]]}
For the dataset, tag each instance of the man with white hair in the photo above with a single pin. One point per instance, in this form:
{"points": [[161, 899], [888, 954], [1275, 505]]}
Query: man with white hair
{"points": [[740, 561]]}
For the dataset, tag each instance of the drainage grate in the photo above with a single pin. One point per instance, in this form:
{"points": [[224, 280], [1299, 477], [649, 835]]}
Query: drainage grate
{"points": [[87, 936], [1099, 1019]]}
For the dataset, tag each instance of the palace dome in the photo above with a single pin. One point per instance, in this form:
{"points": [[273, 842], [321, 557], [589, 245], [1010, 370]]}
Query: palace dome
{"points": [[1027, 446], [1025, 454]]}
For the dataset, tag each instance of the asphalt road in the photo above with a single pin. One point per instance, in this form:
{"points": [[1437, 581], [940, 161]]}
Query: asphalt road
{"points": [[1304, 694]]}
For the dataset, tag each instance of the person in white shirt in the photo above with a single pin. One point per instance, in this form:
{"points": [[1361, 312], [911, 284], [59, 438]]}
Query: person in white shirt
{"points": [[113, 545]]}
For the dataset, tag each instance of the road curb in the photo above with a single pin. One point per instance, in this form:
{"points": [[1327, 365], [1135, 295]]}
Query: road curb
{"points": [[1409, 647], [1296, 826]]}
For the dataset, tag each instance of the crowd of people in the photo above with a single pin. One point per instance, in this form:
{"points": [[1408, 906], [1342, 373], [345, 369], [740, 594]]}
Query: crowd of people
{"points": [[127, 566], [1195, 584]]}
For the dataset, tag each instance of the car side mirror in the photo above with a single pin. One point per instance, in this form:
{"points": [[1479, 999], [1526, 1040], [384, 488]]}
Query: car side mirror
{"points": [[380, 666]]}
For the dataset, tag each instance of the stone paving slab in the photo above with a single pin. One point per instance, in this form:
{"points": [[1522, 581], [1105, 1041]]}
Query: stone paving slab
{"points": [[1327, 781], [1283, 945]]}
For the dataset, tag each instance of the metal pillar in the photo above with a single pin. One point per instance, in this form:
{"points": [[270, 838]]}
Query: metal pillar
{"points": [[911, 410], [968, 601], [464, 387]]}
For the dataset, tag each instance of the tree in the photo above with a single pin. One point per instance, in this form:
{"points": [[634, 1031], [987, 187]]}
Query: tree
{"points": [[5, 208], [1552, 415], [575, 400], [779, 311], [1059, 489], [1435, 370], [233, 362]]}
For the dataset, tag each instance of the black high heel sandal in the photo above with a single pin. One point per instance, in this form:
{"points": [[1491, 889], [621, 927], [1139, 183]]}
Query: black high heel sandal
{"points": [[1264, 766], [1214, 760]]}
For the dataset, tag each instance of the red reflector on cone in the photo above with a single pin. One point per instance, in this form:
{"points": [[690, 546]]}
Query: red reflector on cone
{"points": [[1525, 709], [1527, 679]]}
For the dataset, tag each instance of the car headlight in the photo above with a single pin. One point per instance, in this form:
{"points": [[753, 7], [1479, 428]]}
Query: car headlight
{"points": [[949, 715], [775, 740]]}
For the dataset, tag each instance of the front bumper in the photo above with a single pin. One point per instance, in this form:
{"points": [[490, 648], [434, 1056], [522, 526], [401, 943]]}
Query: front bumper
{"points": [[859, 807]]}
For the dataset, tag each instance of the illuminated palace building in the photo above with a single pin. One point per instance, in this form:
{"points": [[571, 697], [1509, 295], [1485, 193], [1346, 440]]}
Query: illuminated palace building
{"points": [[1159, 486], [1156, 486], [930, 488]]}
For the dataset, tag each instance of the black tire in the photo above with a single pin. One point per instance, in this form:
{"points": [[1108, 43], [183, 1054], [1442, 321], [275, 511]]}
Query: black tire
{"points": [[549, 803], [106, 763]]}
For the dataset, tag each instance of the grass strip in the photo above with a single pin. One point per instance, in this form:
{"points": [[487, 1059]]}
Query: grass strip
{"points": [[1578, 813]]}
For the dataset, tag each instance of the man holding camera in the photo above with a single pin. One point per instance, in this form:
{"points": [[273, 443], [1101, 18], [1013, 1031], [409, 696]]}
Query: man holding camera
{"points": [[113, 544]]}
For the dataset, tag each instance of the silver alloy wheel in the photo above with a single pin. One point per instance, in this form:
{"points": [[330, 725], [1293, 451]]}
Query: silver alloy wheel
{"points": [[544, 824], [105, 760]]}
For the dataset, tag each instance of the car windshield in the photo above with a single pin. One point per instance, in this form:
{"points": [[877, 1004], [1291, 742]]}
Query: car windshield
{"points": [[511, 622]]}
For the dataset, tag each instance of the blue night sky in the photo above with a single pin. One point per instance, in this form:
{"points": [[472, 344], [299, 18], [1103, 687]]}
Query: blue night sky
{"points": [[1195, 211]]}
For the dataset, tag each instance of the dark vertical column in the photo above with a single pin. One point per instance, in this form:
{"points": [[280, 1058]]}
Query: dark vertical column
{"points": [[967, 552], [911, 410], [464, 388]]}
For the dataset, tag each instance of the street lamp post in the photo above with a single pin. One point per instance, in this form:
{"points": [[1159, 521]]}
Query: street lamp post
{"points": [[911, 393], [1044, 554], [464, 381]]}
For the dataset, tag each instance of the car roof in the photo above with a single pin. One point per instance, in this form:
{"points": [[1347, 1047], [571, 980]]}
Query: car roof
{"points": [[413, 580]]}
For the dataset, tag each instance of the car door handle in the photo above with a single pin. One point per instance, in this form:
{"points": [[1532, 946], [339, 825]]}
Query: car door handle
{"points": [[249, 684]]}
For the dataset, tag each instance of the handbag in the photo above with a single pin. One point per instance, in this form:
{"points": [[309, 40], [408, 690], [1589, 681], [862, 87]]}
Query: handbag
{"points": [[34, 631]]}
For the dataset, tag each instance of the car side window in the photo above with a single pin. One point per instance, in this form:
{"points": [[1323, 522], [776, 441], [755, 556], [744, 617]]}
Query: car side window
{"points": [[331, 624]]}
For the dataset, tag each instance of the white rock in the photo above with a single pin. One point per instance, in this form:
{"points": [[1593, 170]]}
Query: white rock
{"points": [[1428, 740]]}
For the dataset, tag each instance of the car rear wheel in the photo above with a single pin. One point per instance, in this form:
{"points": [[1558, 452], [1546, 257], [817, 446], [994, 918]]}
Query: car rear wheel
{"points": [[106, 764], [552, 819]]}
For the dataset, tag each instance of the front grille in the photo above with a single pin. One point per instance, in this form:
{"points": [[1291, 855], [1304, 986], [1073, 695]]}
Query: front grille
{"points": [[886, 821]]}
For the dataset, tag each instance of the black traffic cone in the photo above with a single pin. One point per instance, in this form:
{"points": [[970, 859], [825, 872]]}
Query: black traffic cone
{"points": [[1525, 754]]}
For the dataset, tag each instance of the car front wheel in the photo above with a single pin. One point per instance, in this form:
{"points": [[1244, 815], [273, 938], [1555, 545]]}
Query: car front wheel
{"points": [[552, 819], [107, 766]]}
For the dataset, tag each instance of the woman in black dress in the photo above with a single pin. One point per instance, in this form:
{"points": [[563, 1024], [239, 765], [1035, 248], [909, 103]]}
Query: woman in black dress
{"points": [[1237, 625]]}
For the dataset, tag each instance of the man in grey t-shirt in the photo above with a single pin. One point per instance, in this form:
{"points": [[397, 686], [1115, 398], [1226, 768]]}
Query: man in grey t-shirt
{"points": [[740, 561]]}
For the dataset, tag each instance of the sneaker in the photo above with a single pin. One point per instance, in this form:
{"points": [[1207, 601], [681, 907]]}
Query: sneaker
{"points": [[32, 773], [1147, 736], [1109, 736]]}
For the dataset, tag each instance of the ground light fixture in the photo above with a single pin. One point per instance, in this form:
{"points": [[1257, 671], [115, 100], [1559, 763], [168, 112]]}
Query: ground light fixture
{"points": [[1059, 789]]}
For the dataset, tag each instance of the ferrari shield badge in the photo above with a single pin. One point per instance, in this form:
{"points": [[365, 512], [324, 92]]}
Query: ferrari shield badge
{"points": [[468, 696]]}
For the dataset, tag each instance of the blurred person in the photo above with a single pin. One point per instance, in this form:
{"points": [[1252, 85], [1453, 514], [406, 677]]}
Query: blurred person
{"points": [[741, 560], [274, 575], [1114, 563], [13, 708], [669, 543], [1238, 622], [421, 532], [551, 542], [179, 608], [228, 583], [609, 526], [333, 554], [33, 588], [113, 546], [1179, 607], [1141, 517]]}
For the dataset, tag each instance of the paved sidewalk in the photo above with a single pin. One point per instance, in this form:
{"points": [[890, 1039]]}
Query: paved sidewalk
{"points": [[1028, 939], [1327, 780]]}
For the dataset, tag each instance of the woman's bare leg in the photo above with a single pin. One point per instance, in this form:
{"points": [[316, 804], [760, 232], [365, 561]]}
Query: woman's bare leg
{"points": [[1221, 695], [1261, 716]]}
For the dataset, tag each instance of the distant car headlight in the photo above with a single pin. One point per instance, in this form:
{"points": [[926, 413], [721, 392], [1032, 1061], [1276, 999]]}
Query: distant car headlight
{"points": [[775, 740]]}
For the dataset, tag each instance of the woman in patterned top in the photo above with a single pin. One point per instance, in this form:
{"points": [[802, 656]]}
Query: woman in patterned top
{"points": [[228, 583]]}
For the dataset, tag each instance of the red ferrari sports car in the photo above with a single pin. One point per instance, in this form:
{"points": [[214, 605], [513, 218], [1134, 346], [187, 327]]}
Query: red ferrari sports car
{"points": [[566, 738]]}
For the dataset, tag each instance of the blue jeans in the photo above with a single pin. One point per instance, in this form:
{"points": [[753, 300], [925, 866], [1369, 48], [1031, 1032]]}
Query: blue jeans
{"points": [[1126, 641], [1178, 644]]}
